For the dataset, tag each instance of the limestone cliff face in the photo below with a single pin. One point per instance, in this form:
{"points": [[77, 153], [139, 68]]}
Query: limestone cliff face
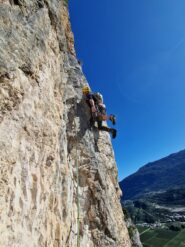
{"points": [[44, 136]]}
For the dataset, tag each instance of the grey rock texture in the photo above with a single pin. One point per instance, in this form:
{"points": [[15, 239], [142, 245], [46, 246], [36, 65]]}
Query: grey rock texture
{"points": [[133, 232], [44, 136]]}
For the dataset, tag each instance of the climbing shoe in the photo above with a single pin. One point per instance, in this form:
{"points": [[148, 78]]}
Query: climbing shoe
{"points": [[113, 132], [113, 119]]}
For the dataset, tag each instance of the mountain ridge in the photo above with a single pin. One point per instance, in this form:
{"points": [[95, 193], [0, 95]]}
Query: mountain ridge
{"points": [[162, 174]]}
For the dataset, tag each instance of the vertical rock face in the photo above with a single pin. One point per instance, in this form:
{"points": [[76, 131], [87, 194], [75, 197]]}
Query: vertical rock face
{"points": [[44, 137]]}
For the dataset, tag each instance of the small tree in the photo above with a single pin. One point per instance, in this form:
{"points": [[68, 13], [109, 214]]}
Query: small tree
{"points": [[66, 2]]}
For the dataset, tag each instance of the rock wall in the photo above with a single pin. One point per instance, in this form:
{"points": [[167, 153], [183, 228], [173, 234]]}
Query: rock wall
{"points": [[44, 137]]}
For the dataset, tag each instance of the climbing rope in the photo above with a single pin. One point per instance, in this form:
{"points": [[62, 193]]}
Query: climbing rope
{"points": [[77, 193], [78, 201]]}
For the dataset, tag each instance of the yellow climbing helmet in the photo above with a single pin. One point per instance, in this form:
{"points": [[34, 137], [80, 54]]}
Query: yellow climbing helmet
{"points": [[86, 89]]}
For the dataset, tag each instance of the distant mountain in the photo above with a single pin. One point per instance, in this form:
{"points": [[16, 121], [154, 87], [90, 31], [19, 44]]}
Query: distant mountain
{"points": [[159, 176]]}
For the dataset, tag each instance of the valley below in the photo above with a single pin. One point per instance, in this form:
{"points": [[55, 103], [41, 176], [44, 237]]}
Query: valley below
{"points": [[161, 237], [154, 198]]}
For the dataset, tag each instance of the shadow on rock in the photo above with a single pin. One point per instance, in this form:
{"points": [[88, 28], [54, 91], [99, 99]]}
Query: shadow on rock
{"points": [[81, 111]]}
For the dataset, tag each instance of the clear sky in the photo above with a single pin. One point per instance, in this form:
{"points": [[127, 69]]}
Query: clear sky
{"points": [[133, 52]]}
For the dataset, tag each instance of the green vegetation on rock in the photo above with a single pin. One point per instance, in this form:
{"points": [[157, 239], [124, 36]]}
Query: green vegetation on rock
{"points": [[66, 2]]}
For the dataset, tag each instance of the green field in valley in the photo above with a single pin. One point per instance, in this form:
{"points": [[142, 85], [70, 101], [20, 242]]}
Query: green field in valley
{"points": [[161, 237]]}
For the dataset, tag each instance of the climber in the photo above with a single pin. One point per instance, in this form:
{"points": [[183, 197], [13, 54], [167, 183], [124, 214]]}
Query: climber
{"points": [[98, 111]]}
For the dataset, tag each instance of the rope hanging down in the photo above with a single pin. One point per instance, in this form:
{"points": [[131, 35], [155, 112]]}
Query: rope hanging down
{"points": [[78, 201]]}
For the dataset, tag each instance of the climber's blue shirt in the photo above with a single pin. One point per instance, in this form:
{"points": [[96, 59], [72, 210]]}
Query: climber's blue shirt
{"points": [[89, 96]]}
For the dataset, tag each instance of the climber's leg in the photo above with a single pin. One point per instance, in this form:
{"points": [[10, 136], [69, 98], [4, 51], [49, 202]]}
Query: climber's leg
{"points": [[107, 129], [104, 117], [112, 118], [93, 119]]}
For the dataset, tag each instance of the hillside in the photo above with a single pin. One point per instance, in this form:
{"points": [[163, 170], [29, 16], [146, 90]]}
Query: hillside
{"points": [[155, 194], [161, 175]]}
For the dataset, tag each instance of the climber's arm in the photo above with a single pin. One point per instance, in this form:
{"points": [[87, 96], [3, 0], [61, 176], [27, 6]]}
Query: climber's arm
{"points": [[91, 103], [93, 108]]}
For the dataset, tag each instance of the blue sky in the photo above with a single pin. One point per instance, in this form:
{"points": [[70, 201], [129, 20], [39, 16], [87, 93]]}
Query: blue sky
{"points": [[133, 52]]}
